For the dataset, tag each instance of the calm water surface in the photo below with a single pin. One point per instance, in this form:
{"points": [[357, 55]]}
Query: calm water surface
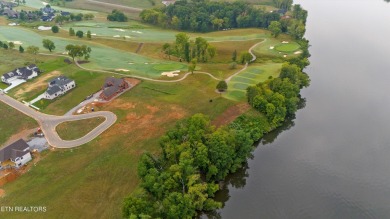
{"points": [[334, 160]]}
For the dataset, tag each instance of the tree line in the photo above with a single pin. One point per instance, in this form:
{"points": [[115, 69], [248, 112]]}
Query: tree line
{"points": [[204, 15], [188, 50], [182, 181]]}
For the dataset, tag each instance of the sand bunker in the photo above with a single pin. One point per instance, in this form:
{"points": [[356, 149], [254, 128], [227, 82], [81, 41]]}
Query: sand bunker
{"points": [[44, 28], [285, 56], [297, 52], [13, 24], [121, 30], [271, 47], [93, 34], [45, 3], [171, 74], [16, 42], [117, 36], [121, 69], [127, 37], [139, 32], [284, 42]]}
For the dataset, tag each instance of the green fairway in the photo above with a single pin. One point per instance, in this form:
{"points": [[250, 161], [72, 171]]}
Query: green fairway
{"points": [[251, 76], [102, 57], [287, 47]]}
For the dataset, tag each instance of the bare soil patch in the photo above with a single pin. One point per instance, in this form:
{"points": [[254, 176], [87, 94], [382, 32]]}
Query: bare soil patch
{"points": [[22, 134], [231, 114], [40, 83], [2, 193]]}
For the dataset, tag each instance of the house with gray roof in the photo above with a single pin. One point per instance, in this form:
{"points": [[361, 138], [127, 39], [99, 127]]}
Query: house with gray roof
{"points": [[24, 73], [15, 154], [59, 86]]}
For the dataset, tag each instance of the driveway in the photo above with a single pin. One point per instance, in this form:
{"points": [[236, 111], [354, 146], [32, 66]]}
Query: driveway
{"points": [[14, 83], [48, 123]]}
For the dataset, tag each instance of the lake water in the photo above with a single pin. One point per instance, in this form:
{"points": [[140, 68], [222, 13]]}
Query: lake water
{"points": [[334, 160]]}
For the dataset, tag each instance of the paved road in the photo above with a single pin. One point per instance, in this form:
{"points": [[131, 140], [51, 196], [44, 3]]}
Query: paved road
{"points": [[48, 123]]}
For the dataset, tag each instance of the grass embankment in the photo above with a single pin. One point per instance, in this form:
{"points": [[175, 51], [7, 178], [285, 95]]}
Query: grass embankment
{"points": [[91, 181], [13, 122], [76, 129]]}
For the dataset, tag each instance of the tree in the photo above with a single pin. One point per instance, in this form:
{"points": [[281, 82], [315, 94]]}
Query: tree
{"points": [[117, 16], [192, 66], [167, 49], [234, 56], [5, 46], [246, 57], [55, 29], [89, 35], [71, 32], [11, 45], [32, 50], [222, 86], [21, 49], [78, 51], [48, 44], [80, 34], [276, 28]]}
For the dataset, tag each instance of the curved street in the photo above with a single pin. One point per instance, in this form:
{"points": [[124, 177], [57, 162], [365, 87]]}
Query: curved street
{"points": [[48, 123]]}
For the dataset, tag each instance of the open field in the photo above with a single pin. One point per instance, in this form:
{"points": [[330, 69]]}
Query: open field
{"points": [[13, 122], [252, 75], [70, 181], [77, 129], [287, 47]]}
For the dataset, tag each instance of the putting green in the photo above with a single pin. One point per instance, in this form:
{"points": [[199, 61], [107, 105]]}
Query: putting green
{"points": [[251, 76], [287, 47]]}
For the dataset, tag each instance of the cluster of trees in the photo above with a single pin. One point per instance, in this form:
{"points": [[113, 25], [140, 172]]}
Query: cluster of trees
{"points": [[10, 45], [79, 33], [204, 16], [294, 26], [278, 97], [184, 48], [59, 19], [78, 51], [182, 181], [117, 16]]}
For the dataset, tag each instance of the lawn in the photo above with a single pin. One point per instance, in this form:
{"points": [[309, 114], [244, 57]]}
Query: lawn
{"points": [[13, 122], [76, 129], [251, 76], [265, 50], [287, 47], [91, 181]]}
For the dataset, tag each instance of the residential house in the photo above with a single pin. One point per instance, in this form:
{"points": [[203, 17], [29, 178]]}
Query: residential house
{"points": [[48, 10], [58, 87], [65, 13], [113, 86], [15, 154], [24, 73], [10, 13]]}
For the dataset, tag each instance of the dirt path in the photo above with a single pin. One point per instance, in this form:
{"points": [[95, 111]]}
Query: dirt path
{"points": [[40, 82]]}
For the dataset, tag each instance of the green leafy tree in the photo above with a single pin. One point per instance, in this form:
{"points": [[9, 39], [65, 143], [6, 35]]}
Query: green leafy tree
{"points": [[5, 46], [222, 86], [89, 35], [245, 57], [55, 29], [78, 51], [21, 49], [234, 56], [11, 45], [71, 32], [192, 65], [48, 44], [276, 28], [80, 34]]}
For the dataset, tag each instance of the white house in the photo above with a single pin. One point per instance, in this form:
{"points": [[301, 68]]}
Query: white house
{"points": [[15, 154], [58, 87], [24, 73]]}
